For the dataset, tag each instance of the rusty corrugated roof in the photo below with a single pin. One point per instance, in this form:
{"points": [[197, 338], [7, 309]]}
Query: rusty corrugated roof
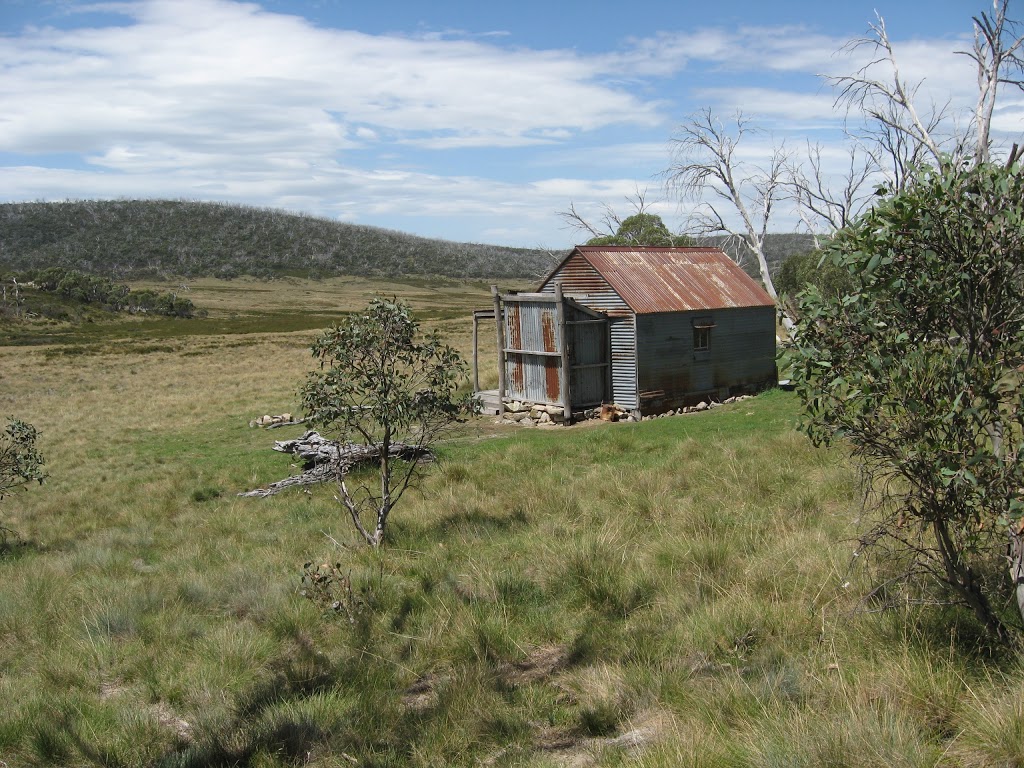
{"points": [[653, 279]]}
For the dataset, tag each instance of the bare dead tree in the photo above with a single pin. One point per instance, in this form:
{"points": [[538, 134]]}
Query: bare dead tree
{"points": [[997, 54], [707, 168], [879, 92], [899, 129], [610, 220], [822, 205], [894, 152], [581, 223]]}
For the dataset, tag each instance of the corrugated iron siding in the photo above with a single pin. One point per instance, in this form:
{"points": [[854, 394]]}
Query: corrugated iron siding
{"points": [[585, 284], [654, 280], [741, 351], [624, 361], [531, 327], [582, 282]]}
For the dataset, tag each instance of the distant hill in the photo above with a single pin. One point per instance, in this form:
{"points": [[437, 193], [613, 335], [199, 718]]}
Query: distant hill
{"points": [[126, 239], [132, 239]]}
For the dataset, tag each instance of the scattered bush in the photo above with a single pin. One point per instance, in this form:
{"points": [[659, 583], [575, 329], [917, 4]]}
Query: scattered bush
{"points": [[105, 293], [20, 461]]}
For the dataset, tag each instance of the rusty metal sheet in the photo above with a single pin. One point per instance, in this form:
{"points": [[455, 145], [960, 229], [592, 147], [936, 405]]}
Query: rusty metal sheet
{"points": [[651, 280], [532, 364], [548, 332], [552, 382], [513, 327]]}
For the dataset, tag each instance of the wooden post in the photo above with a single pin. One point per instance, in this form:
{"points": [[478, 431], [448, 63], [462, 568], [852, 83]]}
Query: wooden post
{"points": [[563, 340], [500, 328], [476, 347], [609, 381]]}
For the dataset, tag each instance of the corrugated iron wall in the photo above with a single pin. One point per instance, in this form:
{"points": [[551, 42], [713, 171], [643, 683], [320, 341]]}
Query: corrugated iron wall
{"points": [[588, 358], [532, 359], [623, 338], [741, 352]]}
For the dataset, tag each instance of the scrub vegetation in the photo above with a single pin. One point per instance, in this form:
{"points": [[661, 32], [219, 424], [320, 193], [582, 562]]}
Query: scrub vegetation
{"points": [[673, 592], [174, 239], [134, 239]]}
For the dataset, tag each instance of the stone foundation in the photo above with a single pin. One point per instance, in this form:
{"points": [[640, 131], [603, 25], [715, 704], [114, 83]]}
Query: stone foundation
{"points": [[703, 405], [531, 414]]}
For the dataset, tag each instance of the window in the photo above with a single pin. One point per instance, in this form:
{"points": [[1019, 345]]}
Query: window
{"points": [[701, 339], [702, 333]]}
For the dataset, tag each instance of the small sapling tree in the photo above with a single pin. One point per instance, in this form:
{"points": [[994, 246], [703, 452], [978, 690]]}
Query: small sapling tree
{"points": [[382, 383], [20, 461], [919, 368]]}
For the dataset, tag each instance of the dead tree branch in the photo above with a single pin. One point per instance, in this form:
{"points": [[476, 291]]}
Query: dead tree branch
{"points": [[326, 460]]}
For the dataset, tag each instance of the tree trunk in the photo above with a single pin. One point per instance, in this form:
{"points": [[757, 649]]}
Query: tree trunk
{"points": [[324, 460], [1015, 555], [960, 576]]}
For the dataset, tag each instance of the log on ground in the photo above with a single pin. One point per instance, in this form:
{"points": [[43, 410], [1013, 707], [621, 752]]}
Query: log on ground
{"points": [[324, 460]]}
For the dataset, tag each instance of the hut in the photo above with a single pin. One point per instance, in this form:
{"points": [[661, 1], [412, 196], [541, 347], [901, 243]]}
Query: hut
{"points": [[646, 328]]}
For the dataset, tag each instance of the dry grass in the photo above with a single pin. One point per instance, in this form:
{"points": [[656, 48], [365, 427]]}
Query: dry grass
{"points": [[666, 593]]}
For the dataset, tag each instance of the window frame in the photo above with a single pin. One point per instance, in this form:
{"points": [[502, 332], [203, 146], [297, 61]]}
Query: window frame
{"points": [[702, 333]]}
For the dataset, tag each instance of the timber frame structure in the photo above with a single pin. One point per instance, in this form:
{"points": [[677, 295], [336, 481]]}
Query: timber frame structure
{"points": [[552, 351]]}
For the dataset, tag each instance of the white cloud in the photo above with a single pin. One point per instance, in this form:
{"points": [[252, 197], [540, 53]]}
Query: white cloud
{"points": [[633, 155], [188, 69], [792, 109], [215, 99]]}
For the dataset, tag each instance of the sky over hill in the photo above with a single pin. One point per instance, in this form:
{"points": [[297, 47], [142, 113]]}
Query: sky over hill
{"points": [[464, 120]]}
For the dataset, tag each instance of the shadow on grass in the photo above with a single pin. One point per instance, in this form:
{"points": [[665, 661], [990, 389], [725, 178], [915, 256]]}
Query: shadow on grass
{"points": [[13, 547], [474, 523]]}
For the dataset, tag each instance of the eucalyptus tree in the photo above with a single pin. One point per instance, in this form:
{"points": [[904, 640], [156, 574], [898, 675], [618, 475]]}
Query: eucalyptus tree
{"points": [[380, 382], [918, 366]]}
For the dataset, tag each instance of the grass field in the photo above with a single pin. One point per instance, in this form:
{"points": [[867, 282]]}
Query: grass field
{"points": [[675, 592]]}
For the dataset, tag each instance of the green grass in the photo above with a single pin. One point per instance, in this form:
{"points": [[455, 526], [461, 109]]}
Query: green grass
{"points": [[674, 592]]}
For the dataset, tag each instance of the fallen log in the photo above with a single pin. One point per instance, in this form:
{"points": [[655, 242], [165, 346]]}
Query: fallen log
{"points": [[324, 460], [279, 424]]}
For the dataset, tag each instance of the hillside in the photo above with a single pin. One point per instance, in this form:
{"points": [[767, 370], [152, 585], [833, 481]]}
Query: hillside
{"points": [[132, 239]]}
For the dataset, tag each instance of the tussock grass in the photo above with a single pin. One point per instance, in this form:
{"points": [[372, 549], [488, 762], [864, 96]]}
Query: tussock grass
{"points": [[666, 593]]}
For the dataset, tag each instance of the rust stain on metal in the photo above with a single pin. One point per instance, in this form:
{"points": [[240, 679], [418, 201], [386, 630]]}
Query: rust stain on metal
{"points": [[516, 375], [515, 331], [548, 331], [552, 383], [652, 280]]}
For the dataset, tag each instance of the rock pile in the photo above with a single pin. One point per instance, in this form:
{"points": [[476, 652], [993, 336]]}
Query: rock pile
{"points": [[540, 414], [273, 421], [703, 405], [532, 414]]}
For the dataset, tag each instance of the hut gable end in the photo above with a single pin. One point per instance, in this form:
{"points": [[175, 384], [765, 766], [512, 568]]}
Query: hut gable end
{"points": [[581, 281]]}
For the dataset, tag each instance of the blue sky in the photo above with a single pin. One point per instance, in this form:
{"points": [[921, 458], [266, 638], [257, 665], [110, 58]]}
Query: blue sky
{"points": [[465, 120]]}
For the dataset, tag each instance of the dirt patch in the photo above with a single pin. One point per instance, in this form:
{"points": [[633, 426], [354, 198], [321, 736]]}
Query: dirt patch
{"points": [[423, 693], [541, 664], [161, 711], [580, 752], [168, 719]]}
